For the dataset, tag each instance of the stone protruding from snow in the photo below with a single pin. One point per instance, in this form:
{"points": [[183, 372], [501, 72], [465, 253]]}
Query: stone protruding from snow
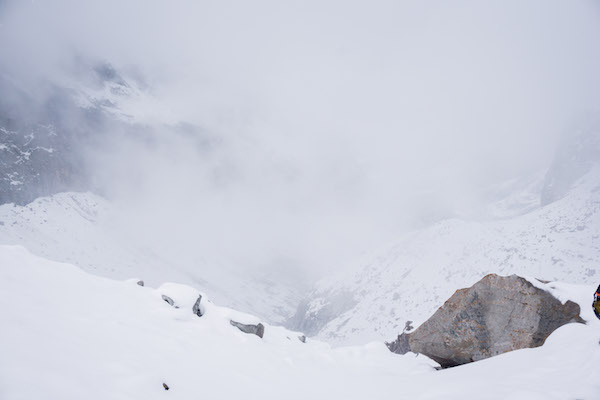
{"points": [[196, 308], [258, 330], [168, 300], [302, 338], [140, 283], [494, 316]]}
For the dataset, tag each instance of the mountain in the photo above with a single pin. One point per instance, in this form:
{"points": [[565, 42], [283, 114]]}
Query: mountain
{"points": [[38, 148], [51, 130], [577, 153], [68, 334], [409, 279], [81, 229], [51, 183]]}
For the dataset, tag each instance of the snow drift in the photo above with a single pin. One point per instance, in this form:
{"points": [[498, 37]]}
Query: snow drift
{"points": [[70, 335]]}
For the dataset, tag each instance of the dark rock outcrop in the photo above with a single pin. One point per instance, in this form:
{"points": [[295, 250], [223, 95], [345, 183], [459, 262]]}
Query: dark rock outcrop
{"points": [[302, 338], [258, 330], [168, 300], [494, 316], [196, 308], [140, 283]]}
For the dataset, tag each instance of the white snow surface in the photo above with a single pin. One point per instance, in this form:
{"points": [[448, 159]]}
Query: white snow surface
{"points": [[411, 278], [67, 334], [81, 229]]}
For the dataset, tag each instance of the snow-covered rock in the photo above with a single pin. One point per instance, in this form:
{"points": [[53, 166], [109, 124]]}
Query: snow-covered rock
{"points": [[258, 329]]}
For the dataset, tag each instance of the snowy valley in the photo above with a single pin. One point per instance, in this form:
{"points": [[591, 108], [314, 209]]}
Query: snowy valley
{"points": [[80, 229], [326, 200]]}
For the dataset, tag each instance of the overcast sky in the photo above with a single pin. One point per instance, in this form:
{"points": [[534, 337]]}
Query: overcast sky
{"points": [[339, 124]]}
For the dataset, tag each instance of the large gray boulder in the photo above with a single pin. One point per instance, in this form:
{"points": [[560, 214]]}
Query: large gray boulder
{"points": [[496, 315]]}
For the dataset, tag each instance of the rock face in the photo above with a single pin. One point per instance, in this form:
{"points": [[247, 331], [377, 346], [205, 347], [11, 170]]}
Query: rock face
{"points": [[258, 330], [494, 316]]}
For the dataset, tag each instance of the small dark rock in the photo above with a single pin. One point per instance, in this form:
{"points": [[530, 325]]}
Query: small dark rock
{"points": [[258, 330], [140, 283], [400, 345], [302, 338], [168, 300], [165, 386], [196, 308]]}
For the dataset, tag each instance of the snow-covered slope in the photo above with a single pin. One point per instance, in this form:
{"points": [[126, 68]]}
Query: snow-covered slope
{"points": [[67, 334], [80, 228], [410, 279], [509, 199]]}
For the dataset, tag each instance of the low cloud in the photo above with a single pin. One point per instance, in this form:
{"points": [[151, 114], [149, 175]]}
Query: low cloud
{"points": [[314, 131]]}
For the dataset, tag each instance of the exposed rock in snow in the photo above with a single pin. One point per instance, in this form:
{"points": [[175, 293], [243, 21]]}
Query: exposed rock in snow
{"points": [[494, 316], [258, 330], [168, 300], [196, 308]]}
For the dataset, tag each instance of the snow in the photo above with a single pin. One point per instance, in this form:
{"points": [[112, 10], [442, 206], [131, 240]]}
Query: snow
{"points": [[124, 99], [71, 335], [82, 229], [411, 278]]}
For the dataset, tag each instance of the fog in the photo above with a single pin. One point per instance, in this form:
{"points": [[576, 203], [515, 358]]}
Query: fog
{"points": [[317, 130]]}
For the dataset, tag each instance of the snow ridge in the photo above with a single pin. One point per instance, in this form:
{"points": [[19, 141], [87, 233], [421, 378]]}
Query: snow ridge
{"points": [[411, 278], [82, 229]]}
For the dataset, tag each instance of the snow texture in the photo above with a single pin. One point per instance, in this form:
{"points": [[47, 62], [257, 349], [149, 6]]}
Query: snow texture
{"points": [[71, 335], [79, 228]]}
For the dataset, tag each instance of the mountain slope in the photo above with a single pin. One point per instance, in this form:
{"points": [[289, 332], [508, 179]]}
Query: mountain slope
{"points": [[71, 335], [410, 279], [51, 131], [80, 228]]}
